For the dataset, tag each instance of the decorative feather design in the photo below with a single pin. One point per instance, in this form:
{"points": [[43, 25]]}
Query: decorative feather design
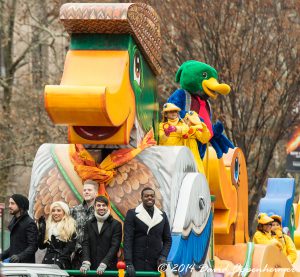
{"points": [[42, 164], [48, 184], [131, 178]]}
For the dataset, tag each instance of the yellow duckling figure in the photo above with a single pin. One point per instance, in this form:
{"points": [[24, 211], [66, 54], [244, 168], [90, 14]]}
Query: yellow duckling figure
{"points": [[197, 131], [172, 128], [288, 246]]}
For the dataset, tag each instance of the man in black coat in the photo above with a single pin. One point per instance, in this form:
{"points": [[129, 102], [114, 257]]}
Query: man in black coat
{"points": [[102, 239], [23, 232], [147, 236]]}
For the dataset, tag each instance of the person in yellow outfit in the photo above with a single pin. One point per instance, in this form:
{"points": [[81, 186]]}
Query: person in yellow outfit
{"points": [[288, 246], [172, 128], [197, 131], [263, 231]]}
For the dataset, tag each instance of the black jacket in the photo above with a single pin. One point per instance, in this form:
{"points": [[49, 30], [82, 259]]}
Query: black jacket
{"points": [[58, 252], [23, 239], [142, 248], [102, 248]]}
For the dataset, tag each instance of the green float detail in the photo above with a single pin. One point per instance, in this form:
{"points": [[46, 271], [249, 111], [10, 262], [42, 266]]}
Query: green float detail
{"points": [[117, 211], [246, 270], [111, 273], [292, 223], [65, 175], [212, 242], [100, 41]]}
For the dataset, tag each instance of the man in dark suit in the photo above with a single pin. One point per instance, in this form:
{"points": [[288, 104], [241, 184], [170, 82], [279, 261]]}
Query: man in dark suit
{"points": [[23, 232], [147, 236], [102, 238]]}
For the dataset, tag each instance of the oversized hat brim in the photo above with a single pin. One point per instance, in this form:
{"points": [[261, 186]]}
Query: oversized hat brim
{"points": [[276, 217], [264, 219], [168, 107], [171, 109]]}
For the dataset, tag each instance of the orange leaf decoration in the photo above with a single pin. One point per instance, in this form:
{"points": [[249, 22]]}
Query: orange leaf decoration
{"points": [[87, 168]]}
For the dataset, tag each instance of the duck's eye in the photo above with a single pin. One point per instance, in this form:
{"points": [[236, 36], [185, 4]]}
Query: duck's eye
{"points": [[191, 113], [137, 68], [165, 105], [201, 203], [204, 74]]}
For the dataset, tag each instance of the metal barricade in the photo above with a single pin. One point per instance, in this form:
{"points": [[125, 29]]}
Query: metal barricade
{"points": [[120, 273]]}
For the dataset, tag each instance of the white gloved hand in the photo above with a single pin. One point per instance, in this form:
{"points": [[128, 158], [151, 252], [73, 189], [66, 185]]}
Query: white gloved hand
{"points": [[285, 230], [86, 265], [101, 268]]}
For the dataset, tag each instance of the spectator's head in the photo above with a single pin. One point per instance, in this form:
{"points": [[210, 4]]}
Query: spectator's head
{"points": [[90, 190], [18, 204], [276, 224], [148, 197], [101, 205], [61, 218], [58, 210], [264, 223]]}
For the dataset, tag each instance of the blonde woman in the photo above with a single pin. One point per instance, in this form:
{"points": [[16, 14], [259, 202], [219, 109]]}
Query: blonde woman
{"points": [[58, 235]]}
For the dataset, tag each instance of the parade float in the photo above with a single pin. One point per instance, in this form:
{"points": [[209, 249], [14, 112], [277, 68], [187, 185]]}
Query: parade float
{"points": [[108, 99]]}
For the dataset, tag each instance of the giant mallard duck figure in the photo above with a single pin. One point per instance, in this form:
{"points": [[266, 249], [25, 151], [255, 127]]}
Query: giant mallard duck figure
{"points": [[107, 98], [199, 82]]}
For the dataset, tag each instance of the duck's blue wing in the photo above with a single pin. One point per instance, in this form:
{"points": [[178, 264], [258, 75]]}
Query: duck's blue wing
{"points": [[191, 251]]}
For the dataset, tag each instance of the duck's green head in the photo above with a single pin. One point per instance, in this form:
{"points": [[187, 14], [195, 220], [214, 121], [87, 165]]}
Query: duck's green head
{"points": [[200, 78]]}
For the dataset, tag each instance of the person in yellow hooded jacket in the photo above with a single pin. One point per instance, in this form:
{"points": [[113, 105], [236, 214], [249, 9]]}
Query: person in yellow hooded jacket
{"points": [[288, 246], [197, 131], [263, 231], [172, 128]]}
